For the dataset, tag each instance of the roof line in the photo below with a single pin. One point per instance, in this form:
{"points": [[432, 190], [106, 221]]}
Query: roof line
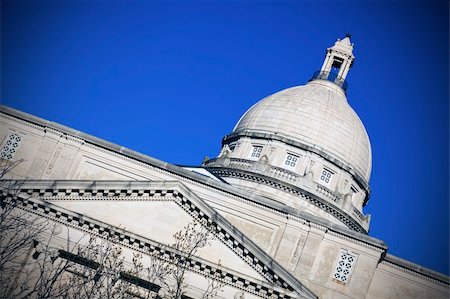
{"points": [[260, 200], [416, 268], [215, 184]]}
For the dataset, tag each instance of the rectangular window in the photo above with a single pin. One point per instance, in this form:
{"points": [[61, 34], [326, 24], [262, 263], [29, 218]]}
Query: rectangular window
{"points": [[326, 177], [256, 151], [344, 266], [291, 160], [10, 147]]}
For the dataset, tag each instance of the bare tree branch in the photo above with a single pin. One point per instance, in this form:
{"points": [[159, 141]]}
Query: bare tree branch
{"points": [[34, 263]]}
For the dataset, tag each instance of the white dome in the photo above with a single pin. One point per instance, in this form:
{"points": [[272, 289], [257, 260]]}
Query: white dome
{"points": [[316, 115]]}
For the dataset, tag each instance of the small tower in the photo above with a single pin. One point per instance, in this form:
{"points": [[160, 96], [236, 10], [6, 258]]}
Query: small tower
{"points": [[338, 61]]}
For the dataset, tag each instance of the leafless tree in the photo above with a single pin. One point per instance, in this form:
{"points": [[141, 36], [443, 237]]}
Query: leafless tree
{"points": [[18, 233], [97, 270], [24, 238], [100, 270], [91, 266], [171, 274]]}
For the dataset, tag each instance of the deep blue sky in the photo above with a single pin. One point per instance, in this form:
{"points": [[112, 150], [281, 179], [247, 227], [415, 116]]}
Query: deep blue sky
{"points": [[170, 79]]}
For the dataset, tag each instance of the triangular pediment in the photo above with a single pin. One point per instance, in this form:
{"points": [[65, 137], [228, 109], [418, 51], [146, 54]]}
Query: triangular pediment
{"points": [[149, 213]]}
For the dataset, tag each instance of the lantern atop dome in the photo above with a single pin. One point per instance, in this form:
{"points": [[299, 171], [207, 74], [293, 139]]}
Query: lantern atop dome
{"points": [[338, 61]]}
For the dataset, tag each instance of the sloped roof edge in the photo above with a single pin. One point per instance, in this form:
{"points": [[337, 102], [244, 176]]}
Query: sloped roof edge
{"points": [[39, 187], [221, 186], [191, 175], [416, 268]]}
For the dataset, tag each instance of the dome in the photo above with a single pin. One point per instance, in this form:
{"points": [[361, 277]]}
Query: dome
{"points": [[304, 147], [316, 115]]}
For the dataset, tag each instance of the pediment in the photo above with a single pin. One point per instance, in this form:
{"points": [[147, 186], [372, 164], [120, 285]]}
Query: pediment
{"points": [[149, 213]]}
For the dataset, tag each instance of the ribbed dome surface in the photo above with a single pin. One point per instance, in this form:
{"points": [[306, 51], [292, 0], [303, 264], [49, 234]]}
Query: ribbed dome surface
{"points": [[318, 115]]}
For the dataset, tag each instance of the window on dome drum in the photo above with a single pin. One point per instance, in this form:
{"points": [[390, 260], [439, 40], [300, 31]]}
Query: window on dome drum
{"points": [[256, 151], [232, 146], [291, 160], [10, 147], [344, 267], [326, 177]]}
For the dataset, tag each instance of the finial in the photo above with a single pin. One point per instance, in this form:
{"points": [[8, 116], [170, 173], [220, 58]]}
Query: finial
{"points": [[348, 35]]}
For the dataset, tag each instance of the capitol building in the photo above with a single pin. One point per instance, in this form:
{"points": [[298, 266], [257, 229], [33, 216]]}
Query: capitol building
{"points": [[284, 199]]}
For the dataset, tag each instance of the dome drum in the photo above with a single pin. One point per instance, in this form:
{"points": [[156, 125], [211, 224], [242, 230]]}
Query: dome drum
{"points": [[232, 138], [285, 167], [305, 193]]}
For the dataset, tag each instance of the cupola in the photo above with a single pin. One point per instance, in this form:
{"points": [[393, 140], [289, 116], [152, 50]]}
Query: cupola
{"points": [[338, 61]]}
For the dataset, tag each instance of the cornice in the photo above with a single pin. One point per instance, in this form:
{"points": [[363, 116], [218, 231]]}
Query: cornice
{"points": [[379, 249], [416, 270], [45, 129]]}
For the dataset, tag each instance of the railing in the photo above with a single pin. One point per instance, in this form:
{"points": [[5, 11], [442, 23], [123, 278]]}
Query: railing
{"points": [[328, 193], [332, 77], [275, 172], [208, 162], [241, 163], [282, 173], [360, 215]]}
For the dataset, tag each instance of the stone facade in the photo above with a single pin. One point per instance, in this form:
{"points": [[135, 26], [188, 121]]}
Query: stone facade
{"points": [[303, 250], [284, 198]]}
